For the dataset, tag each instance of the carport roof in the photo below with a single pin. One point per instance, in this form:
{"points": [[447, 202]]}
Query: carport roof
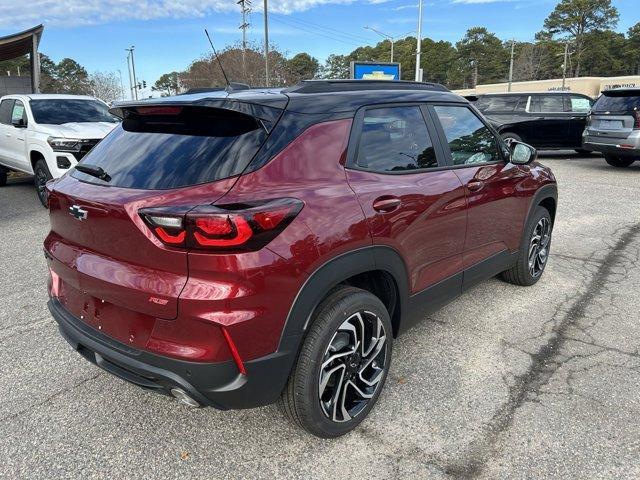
{"points": [[18, 44]]}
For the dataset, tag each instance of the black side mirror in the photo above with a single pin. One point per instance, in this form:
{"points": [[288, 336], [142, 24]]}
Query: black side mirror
{"points": [[521, 153], [19, 123]]}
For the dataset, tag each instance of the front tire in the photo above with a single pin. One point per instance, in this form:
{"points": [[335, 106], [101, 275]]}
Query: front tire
{"points": [[618, 162], [342, 365], [41, 177], [3, 176], [534, 250]]}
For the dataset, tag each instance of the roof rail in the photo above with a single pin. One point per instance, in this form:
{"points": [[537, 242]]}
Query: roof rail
{"points": [[326, 86]]}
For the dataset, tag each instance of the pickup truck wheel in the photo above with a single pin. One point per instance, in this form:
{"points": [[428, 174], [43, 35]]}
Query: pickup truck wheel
{"points": [[342, 365], [534, 250], [3, 176], [41, 177], [618, 162]]}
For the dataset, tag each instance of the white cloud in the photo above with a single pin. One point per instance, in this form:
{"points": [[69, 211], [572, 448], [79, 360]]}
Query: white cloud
{"points": [[93, 12], [481, 1]]}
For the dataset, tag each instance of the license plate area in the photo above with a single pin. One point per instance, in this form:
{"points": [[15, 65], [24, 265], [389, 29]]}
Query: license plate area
{"points": [[610, 124]]}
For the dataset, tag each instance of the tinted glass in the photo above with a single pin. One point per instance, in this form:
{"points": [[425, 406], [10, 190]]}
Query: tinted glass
{"points": [[6, 108], [551, 103], [579, 104], [501, 103], [200, 146], [618, 103], [57, 112], [18, 113], [470, 141], [395, 139]]}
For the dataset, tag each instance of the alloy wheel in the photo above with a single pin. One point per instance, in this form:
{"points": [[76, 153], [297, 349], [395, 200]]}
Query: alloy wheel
{"points": [[41, 181], [539, 247], [353, 366]]}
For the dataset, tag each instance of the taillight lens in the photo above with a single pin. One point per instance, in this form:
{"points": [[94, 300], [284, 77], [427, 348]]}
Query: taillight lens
{"points": [[233, 227], [636, 115]]}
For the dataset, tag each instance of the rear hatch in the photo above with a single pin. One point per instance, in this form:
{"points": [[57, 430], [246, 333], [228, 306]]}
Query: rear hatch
{"points": [[616, 114], [107, 266]]}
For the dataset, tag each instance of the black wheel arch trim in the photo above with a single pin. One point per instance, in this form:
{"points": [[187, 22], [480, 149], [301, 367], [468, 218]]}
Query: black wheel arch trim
{"points": [[549, 190]]}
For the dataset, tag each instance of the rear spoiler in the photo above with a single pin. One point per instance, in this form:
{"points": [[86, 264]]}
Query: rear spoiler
{"points": [[267, 112]]}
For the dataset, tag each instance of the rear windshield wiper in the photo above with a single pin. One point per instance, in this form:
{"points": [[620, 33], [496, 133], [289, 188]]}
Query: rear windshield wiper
{"points": [[94, 171]]}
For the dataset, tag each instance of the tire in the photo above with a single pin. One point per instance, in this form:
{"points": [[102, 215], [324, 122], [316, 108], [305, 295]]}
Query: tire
{"points": [[524, 273], [41, 177], [510, 135], [313, 394], [582, 151], [3, 176], [618, 162]]}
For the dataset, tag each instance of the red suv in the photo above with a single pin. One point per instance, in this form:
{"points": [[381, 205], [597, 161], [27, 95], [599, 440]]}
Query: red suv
{"points": [[237, 248]]}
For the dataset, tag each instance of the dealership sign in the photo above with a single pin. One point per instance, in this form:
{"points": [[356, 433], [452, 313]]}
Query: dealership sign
{"points": [[375, 71]]}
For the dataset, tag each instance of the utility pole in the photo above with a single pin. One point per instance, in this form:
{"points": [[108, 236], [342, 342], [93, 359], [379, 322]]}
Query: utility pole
{"points": [[133, 69], [564, 65], [513, 44], [418, 69], [266, 44], [384, 35], [245, 8], [121, 85], [129, 71]]}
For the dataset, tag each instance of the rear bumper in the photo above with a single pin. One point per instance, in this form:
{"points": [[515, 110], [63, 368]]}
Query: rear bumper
{"points": [[218, 385], [629, 147]]}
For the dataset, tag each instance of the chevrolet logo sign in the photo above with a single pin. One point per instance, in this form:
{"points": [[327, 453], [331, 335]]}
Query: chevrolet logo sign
{"points": [[77, 212]]}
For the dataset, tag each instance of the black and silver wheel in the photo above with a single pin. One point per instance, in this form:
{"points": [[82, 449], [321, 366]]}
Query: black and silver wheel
{"points": [[534, 250], [342, 366], [41, 176], [509, 136], [618, 162]]}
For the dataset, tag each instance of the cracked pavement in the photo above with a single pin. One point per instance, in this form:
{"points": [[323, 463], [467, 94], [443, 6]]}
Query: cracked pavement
{"points": [[504, 382]]}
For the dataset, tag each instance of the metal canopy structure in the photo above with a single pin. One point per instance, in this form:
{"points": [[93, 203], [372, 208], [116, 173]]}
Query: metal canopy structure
{"points": [[24, 43]]}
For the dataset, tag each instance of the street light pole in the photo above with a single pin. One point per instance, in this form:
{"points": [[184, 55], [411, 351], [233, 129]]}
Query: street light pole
{"points": [[418, 69], [266, 44], [384, 35], [133, 69]]}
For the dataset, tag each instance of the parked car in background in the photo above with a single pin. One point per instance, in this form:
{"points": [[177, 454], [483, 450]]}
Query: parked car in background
{"points": [[45, 135], [551, 120], [233, 249], [613, 128]]}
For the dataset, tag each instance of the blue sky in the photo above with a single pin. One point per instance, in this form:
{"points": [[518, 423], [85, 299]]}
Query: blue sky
{"points": [[168, 34]]}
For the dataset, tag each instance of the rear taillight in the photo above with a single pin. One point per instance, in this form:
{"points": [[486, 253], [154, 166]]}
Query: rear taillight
{"points": [[233, 227], [636, 124]]}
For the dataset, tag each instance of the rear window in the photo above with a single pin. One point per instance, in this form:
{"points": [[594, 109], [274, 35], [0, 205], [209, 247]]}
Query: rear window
{"points": [[198, 145], [58, 112], [617, 102]]}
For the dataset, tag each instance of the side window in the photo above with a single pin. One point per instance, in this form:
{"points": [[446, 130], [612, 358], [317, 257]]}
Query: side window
{"points": [[551, 104], [6, 107], [579, 104], [395, 139], [470, 141], [501, 103], [18, 113]]}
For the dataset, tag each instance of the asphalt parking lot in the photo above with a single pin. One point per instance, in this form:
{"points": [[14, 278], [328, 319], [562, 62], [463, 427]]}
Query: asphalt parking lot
{"points": [[505, 382]]}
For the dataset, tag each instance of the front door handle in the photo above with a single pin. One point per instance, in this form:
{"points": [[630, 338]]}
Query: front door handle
{"points": [[475, 185], [386, 204]]}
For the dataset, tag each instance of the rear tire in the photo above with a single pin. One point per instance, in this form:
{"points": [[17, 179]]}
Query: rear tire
{"points": [[3, 176], [336, 381], [534, 250], [510, 135], [41, 177], [618, 162]]}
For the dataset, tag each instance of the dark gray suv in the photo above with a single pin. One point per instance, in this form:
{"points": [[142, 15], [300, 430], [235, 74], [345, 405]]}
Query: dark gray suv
{"points": [[613, 128]]}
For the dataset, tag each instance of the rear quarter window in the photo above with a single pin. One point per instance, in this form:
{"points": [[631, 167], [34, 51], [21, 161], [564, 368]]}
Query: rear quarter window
{"points": [[199, 145], [502, 103]]}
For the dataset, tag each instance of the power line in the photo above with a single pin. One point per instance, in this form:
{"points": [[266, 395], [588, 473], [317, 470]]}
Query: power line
{"points": [[329, 30], [321, 34]]}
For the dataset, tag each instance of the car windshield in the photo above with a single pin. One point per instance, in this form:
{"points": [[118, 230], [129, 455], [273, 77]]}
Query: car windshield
{"points": [[617, 102], [59, 111]]}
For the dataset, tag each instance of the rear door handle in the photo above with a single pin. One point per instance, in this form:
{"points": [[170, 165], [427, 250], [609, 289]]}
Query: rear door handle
{"points": [[386, 204], [475, 185]]}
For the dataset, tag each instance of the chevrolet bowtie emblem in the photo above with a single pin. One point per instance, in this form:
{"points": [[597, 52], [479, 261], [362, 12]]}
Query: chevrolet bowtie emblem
{"points": [[77, 212]]}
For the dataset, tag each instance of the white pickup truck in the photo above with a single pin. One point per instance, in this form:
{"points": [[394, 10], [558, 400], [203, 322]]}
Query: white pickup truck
{"points": [[45, 135]]}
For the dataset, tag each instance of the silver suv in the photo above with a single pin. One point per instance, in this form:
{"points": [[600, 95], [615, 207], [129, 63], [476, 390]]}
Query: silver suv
{"points": [[613, 128]]}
